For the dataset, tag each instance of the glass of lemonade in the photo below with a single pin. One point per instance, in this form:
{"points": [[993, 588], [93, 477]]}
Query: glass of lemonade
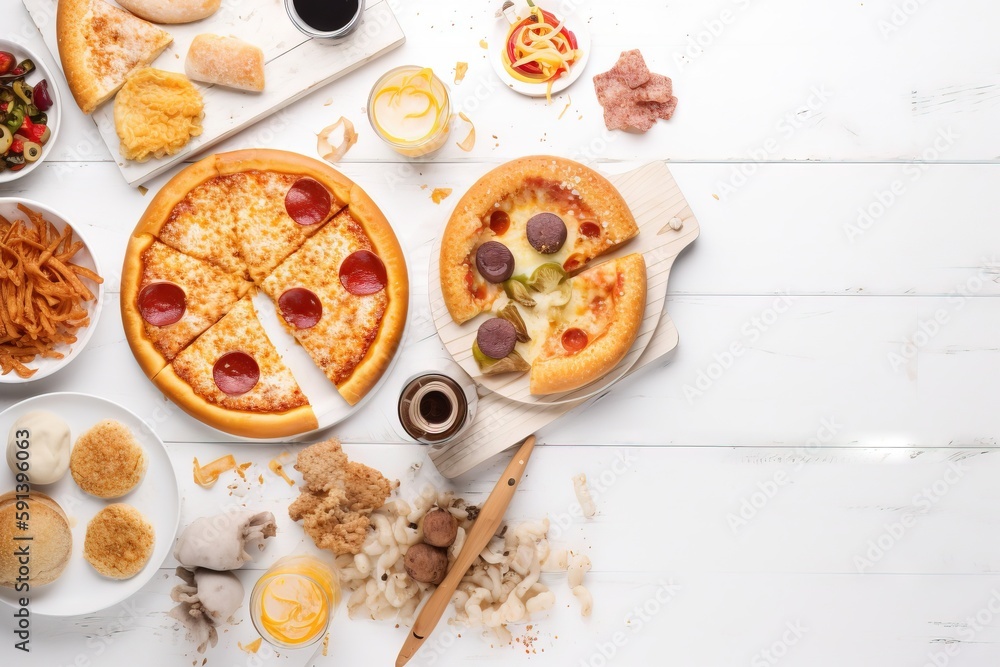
{"points": [[410, 110], [292, 603]]}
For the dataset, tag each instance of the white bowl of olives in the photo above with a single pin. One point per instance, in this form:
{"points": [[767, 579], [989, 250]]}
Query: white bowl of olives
{"points": [[30, 110]]}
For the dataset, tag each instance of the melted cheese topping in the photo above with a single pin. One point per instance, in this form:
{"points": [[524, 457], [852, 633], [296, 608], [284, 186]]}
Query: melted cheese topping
{"points": [[210, 293], [238, 222], [345, 332], [591, 309], [156, 114], [240, 331]]}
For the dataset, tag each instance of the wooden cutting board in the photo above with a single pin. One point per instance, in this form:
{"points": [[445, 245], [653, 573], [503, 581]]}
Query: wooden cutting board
{"points": [[294, 66], [667, 225]]}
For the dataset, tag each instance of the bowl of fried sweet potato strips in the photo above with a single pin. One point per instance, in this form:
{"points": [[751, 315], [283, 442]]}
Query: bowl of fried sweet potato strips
{"points": [[51, 291]]}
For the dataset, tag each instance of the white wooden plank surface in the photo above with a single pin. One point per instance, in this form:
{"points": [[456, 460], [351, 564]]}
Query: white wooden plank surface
{"points": [[873, 97], [816, 412]]}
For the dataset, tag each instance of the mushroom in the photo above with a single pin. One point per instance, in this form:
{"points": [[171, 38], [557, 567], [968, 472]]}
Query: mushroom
{"points": [[221, 542], [425, 563], [440, 528], [207, 599]]}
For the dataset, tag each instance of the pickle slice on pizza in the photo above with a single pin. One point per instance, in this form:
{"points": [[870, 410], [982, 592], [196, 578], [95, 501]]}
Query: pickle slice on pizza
{"points": [[175, 298], [340, 296], [568, 331], [528, 212], [233, 378]]}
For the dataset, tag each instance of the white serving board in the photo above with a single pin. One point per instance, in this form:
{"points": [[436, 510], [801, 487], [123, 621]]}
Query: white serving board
{"points": [[655, 199], [294, 66]]}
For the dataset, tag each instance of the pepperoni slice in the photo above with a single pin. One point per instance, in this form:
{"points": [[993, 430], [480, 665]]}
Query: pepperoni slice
{"points": [[499, 222], [300, 307], [162, 304], [574, 340], [590, 230], [363, 273], [573, 262], [236, 373], [308, 202]]}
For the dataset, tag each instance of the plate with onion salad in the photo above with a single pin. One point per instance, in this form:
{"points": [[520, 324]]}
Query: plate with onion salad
{"points": [[538, 53]]}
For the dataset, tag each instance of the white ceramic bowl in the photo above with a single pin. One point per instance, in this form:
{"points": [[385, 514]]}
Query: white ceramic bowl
{"points": [[42, 71], [47, 366]]}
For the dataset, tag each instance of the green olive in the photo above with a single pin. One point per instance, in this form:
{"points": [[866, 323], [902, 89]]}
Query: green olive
{"points": [[32, 151], [6, 139]]}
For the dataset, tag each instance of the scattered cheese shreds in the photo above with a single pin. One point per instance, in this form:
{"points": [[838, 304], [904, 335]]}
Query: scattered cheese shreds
{"points": [[483, 44], [143, 190], [334, 153], [279, 470], [460, 71], [438, 195], [252, 647], [470, 139], [569, 101], [206, 476], [241, 469]]}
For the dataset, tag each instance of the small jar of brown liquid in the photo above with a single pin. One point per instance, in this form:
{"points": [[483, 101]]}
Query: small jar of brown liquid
{"points": [[434, 408]]}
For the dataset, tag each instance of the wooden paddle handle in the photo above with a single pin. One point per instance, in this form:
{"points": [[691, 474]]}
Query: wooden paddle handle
{"points": [[485, 527]]}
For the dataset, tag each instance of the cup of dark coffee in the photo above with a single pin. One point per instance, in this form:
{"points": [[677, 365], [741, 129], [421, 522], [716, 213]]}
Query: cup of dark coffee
{"points": [[330, 20]]}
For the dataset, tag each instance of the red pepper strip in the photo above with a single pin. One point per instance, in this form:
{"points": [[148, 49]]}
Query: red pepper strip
{"points": [[31, 130], [17, 146]]}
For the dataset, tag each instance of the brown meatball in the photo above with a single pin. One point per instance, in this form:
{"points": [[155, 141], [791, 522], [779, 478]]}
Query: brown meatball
{"points": [[440, 528], [426, 564]]}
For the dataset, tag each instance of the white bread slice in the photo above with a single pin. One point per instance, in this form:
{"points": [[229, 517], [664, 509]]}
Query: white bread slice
{"points": [[226, 61], [100, 45]]}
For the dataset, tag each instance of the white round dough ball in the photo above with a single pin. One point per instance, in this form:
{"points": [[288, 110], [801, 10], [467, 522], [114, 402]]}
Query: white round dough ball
{"points": [[48, 446]]}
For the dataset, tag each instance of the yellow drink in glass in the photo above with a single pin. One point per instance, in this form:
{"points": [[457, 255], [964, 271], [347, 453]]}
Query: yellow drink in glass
{"points": [[292, 603], [410, 110]]}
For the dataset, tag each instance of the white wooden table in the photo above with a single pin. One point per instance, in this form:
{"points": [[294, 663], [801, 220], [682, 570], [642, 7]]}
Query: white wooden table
{"points": [[813, 479]]}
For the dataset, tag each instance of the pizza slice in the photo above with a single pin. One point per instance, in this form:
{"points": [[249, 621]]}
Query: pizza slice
{"points": [[233, 378], [532, 211], [333, 295], [100, 45], [284, 211], [571, 332], [172, 299], [203, 223]]}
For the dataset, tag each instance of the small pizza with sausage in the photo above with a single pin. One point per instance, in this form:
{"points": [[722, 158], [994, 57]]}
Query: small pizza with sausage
{"points": [[312, 240], [518, 248]]}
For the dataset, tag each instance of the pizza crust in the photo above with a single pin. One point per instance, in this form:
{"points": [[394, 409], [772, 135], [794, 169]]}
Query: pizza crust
{"points": [[566, 373], [466, 223], [126, 42], [150, 360], [246, 424], [383, 349]]}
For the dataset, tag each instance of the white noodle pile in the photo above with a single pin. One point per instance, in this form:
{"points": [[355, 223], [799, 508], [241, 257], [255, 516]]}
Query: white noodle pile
{"points": [[501, 587]]}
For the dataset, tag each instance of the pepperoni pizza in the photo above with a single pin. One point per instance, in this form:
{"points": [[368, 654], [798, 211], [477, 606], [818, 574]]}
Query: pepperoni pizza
{"points": [[517, 248], [312, 240]]}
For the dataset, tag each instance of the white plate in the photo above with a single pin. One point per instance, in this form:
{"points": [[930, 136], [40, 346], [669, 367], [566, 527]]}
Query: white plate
{"points": [[47, 366], [80, 590], [498, 42], [54, 113]]}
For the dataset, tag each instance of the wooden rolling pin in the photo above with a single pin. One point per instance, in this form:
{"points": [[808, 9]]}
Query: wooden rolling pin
{"points": [[485, 527]]}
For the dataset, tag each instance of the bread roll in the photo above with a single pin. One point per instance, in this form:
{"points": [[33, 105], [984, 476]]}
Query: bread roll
{"points": [[171, 11], [50, 547], [226, 61]]}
